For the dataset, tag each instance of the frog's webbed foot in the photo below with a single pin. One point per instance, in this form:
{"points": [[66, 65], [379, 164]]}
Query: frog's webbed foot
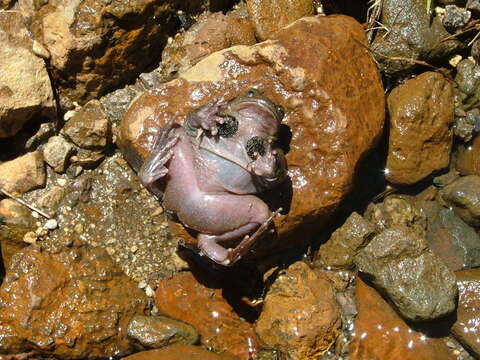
{"points": [[154, 168], [209, 244], [206, 118]]}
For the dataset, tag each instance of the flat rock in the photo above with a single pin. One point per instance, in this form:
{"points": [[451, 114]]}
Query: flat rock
{"points": [[271, 15], [332, 96], [346, 241], [467, 327], [23, 174], [179, 352], [464, 196], [184, 298], [25, 89], [72, 304], [409, 274], [421, 117], [57, 152], [300, 315], [379, 333]]}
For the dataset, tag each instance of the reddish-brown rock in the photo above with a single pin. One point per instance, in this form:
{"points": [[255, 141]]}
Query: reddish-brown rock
{"points": [[220, 328], [467, 327], [179, 352], [468, 158], [300, 315], [421, 118], [320, 71], [23, 174], [211, 32], [72, 304], [269, 16], [380, 334]]}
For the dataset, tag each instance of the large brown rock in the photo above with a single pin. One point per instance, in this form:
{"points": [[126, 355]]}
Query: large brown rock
{"points": [[467, 327], [269, 16], [300, 315], [96, 45], [421, 117], [204, 307], [179, 352], [23, 174], [468, 158], [72, 304], [321, 72], [379, 333], [25, 89]]}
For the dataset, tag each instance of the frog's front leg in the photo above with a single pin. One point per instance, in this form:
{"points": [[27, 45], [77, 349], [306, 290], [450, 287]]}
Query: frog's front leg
{"points": [[154, 168], [205, 118]]}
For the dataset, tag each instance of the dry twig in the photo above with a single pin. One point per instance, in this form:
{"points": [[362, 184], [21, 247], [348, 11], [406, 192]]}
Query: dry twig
{"points": [[24, 203]]}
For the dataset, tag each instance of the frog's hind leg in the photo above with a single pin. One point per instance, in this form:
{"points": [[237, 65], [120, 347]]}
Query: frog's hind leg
{"points": [[154, 168], [210, 244]]}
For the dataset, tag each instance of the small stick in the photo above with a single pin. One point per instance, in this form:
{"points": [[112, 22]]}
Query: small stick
{"points": [[24, 203]]}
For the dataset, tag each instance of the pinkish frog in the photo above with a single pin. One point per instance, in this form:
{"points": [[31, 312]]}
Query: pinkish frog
{"points": [[207, 172]]}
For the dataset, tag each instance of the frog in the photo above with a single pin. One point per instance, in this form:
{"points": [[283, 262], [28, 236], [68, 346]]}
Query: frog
{"points": [[209, 171]]}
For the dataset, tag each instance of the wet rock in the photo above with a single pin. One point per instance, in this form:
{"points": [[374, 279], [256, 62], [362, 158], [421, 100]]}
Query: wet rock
{"points": [[443, 180], [379, 333], [220, 328], [211, 32], [317, 109], [464, 196], [97, 45], [57, 153], [473, 5], [270, 16], [70, 304], [455, 18], [468, 158], [396, 210], [51, 199], [456, 243], [116, 103], [343, 245], [421, 112], [300, 315], [411, 276], [467, 327], [89, 128], [23, 174], [87, 159], [465, 125], [25, 89], [410, 33], [468, 82], [179, 352], [45, 132], [159, 331]]}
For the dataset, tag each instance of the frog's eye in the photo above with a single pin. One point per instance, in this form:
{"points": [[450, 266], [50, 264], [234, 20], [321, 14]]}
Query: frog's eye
{"points": [[229, 127], [252, 93], [255, 145], [280, 112]]}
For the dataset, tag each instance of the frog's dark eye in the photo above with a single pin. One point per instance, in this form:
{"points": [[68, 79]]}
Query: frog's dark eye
{"points": [[280, 111], [255, 145], [229, 127], [252, 93]]}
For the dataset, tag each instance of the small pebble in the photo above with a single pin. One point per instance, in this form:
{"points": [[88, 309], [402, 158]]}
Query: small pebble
{"points": [[68, 115], [134, 249], [30, 237], [51, 224], [62, 182], [149, 291], [455, 60], [110, 250], [35, 214], [142, 284]]}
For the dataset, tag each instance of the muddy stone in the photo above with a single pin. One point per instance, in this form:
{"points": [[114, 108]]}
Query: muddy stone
{"points": [[71, 304], [343, 245], [179, 352], [25, 90], [411, 276], [455, 18], [379, 333], [421, 117], [23, 174], [300, 315], [464, 196], [270, 16], [468, 158], [467, 327], [220, 328], [333, 102], [159, 331]]}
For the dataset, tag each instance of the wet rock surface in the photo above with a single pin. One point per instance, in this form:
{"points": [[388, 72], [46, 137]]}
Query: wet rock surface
{"points": [[318, 113], [25, 90], [300, 315], [72, 304], [464, 196], [412, 277], [420, 141], [179, 352], [468, 158], [379, 333], [203, 305]]}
